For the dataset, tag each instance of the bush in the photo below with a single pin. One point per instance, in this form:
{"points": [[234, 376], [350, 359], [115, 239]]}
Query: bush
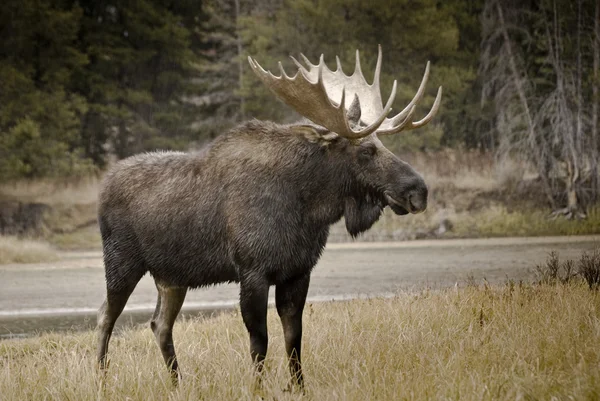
{"points": [[589, 268], [553, 271], [25, 152]]}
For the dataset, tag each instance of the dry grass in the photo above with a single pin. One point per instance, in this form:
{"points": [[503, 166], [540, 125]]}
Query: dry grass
{"points": [[16, 250], [498, 221], [475, 343], [491, 221], [70, 223], [81, 239], [53, 192], [464, 169]]}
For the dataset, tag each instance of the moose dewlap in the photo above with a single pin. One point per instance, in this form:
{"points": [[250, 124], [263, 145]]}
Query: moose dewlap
{"points": [[255, 206]]}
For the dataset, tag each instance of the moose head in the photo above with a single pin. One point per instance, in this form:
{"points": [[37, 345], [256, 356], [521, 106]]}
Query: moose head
{"points": [[347, 106]]}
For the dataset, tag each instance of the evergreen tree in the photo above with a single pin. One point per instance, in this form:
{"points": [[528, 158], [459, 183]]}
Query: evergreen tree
{"points": [[139, 76], [39, 111]]}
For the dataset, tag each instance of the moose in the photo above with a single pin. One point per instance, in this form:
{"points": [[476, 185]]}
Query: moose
{"points": [[255, 206]]}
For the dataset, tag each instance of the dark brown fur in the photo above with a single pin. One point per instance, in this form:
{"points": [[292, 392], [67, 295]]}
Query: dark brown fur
{"points": [[254, 207]]}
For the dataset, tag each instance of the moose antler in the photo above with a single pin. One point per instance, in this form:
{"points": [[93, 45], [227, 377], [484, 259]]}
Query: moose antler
{"points": [[313, 89]]}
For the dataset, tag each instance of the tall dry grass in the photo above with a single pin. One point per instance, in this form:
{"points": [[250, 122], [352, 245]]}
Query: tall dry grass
{"points": [[19, 250], [465, 169], [80, 191], [475, 343], [70, 222]]}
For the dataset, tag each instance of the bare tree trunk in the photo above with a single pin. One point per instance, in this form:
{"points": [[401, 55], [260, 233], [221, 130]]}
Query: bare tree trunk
{"points": [[573, 176], [525, 104], [572, 138], [240, 51], [595, 84]]}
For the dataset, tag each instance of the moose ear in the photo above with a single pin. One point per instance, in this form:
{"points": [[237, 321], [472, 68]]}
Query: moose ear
{"points": [[314, 133], [354, 111]]}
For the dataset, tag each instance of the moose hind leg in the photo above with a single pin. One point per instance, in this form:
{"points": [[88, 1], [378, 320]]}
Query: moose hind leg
{"points": [[170, 301], [107, 316], [254, 292], [123, 272], [290, 297]]}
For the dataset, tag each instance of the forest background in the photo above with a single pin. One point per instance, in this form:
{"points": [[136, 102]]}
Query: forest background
{"points": [[84, 83]]}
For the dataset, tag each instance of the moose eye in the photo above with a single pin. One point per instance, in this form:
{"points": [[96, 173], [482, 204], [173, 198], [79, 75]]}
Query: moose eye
{"points": [[367, 151]]}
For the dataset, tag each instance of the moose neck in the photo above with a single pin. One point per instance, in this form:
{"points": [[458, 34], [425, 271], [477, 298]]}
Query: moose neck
{"points": [[319, 174], [335, 192]]}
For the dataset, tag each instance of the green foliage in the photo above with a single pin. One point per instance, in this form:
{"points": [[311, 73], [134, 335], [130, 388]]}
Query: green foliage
{"points": [[140, 68], [91, 79], [81, 81], [24, 152], [40, 114]]}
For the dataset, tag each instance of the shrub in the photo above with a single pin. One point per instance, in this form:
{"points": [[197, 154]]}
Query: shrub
{"points": [[589, 268], [25, 152]]}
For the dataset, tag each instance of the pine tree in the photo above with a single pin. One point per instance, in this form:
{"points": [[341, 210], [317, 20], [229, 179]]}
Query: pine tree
{"points": [[140, 74], [39, 110]]}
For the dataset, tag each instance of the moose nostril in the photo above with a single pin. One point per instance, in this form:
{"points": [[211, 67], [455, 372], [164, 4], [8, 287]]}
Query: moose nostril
{"points": [[417, 202], [411, 203]]}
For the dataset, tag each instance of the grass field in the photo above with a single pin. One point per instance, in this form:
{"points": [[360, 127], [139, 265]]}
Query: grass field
{"points": [[514, 342], [19, 250]]}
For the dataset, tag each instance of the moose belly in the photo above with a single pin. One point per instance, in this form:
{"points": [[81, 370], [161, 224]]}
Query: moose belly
{"points": [[281, 258]]}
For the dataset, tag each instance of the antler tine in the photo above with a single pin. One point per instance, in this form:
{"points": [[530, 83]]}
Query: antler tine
{"points": [[377, 69], [338, 63], [407, 124], [307, 61], [357, 69], [297, 63], [432, 112], [403, 120], [255, 66], [282, 71], [302, 68], [416, 99], [344, 113], [402, 125]]}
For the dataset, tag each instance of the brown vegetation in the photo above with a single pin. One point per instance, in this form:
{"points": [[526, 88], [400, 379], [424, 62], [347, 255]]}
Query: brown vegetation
{"points": [[511, 342], [15, 250]]}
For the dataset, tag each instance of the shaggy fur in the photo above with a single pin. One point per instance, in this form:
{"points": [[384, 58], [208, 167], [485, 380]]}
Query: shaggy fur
{"points": [[254, 207]]}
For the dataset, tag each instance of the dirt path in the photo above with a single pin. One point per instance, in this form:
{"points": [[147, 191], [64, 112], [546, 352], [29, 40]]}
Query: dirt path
{"points": [[75, 284]]}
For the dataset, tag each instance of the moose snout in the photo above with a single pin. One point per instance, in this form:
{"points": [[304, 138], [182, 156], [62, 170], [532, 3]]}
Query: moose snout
{"points": [[417, 200]]}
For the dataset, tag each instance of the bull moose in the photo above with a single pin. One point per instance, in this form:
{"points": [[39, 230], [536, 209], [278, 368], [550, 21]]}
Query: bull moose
{"points": [[256, 204]]}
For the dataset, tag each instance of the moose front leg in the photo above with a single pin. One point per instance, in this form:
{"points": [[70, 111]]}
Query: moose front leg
{"points": [[254, 292], [290, 297]]}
